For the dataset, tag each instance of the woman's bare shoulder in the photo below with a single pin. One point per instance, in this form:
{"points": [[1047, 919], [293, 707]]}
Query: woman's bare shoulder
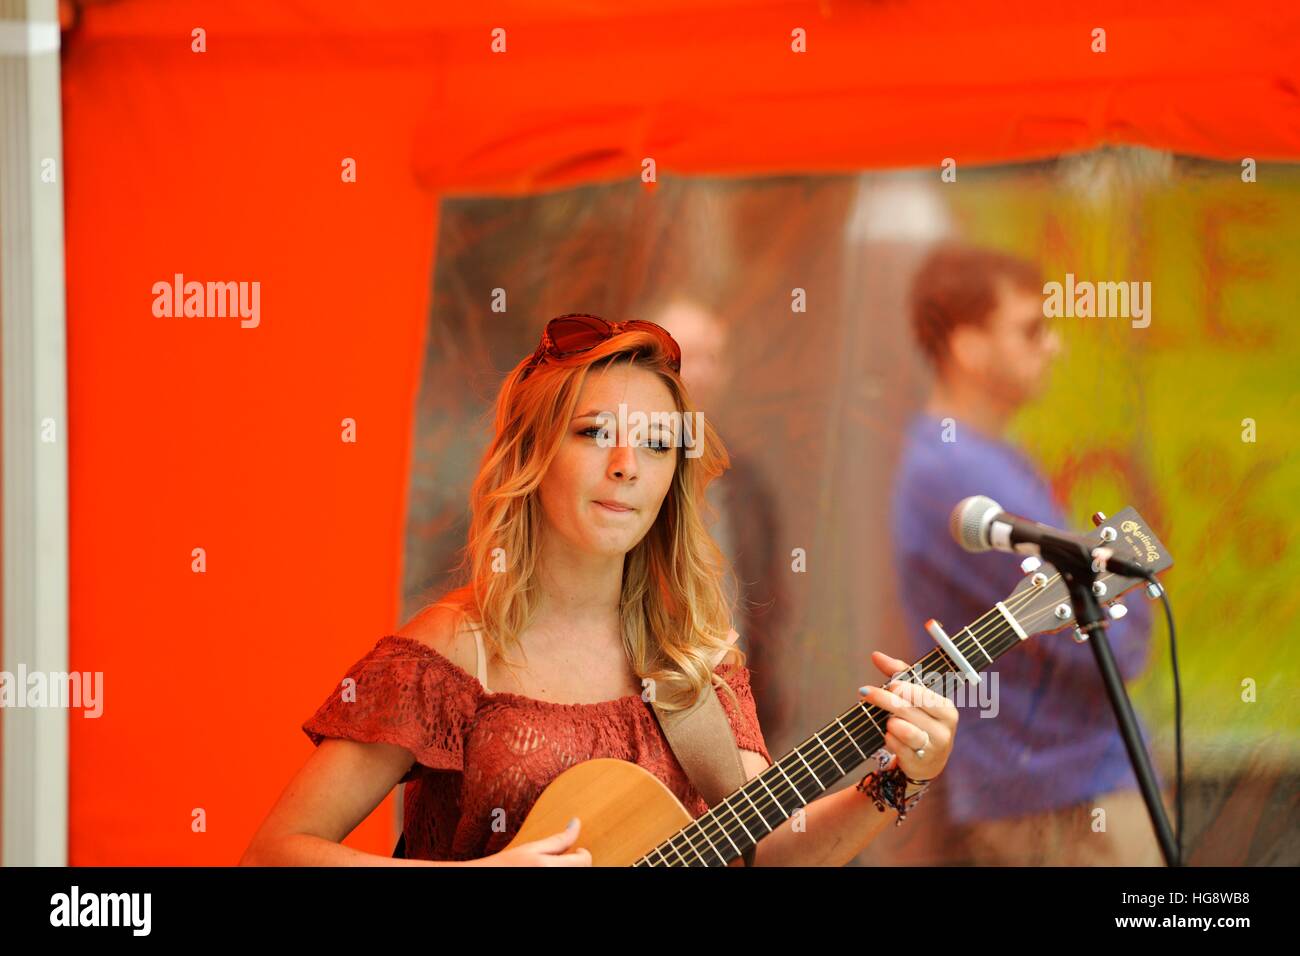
{"points": [[728, 654], [443, 628]]}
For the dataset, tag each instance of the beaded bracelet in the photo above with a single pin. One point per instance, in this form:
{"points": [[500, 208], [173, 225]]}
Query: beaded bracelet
{"points": [[889, 788]]}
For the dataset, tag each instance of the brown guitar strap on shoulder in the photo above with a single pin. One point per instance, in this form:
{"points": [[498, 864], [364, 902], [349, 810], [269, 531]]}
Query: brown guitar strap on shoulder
{"points": [[701, 738]]}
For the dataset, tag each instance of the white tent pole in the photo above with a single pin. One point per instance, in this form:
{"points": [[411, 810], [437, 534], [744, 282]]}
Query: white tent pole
{"points": [[34, 757]]}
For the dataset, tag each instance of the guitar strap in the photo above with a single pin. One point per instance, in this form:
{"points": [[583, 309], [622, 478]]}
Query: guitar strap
{"points": [[701, 738]]}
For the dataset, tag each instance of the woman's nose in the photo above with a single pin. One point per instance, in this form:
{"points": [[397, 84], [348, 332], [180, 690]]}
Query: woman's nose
{"points": [[622, 461]]}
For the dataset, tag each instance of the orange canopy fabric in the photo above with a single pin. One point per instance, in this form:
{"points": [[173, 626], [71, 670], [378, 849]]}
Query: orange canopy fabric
{"points": [[225, 165]]}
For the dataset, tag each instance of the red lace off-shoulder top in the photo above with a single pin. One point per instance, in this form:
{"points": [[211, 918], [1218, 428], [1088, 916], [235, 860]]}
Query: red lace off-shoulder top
{"points": [[476, 752]]}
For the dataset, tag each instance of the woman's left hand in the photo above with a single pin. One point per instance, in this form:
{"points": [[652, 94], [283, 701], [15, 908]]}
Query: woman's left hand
{"points": [[923, 721]]}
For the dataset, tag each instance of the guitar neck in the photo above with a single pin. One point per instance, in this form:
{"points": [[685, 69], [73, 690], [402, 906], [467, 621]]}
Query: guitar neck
{"points": [[726, 831]]}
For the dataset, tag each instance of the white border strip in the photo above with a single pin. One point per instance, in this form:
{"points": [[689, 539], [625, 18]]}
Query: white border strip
{"points": [[34, 771], [20, 38]]}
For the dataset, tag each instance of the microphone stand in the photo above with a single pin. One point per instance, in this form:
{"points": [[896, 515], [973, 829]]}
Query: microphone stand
{"points": [[1075, 564]]}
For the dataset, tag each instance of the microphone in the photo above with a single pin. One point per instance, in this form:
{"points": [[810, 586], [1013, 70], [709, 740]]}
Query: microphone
{"points": [[979, 524]]}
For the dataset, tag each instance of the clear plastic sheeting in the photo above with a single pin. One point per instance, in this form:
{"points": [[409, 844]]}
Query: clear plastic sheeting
{"points": [[789, 298]]}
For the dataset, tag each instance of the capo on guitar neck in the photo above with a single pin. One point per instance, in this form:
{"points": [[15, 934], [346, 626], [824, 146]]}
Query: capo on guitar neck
{"points": [[935, 630]]}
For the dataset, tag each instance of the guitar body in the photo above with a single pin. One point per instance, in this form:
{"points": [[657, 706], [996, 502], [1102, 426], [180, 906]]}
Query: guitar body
{"points": [[624, 811]]}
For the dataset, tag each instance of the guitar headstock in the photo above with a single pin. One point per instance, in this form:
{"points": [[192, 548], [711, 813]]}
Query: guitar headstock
{"points": [[1041, 602]]}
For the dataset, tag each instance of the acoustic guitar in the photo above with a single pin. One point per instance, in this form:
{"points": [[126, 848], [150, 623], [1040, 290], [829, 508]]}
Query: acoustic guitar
{"points": [[630, 818]]}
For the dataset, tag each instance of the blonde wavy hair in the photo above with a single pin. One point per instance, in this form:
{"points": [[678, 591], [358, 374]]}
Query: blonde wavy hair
{"points": [[677, 590]]}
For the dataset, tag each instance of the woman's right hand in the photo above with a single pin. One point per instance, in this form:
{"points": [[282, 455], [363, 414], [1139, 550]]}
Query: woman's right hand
{"points": [[548, 851]]}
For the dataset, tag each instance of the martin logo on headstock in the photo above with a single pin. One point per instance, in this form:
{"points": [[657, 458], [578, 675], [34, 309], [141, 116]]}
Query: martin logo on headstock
{"points": [[1042, 599], [1133, 533]]}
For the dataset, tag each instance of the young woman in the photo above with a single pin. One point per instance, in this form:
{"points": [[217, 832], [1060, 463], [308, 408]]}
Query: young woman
{"points": [[592, 581]]}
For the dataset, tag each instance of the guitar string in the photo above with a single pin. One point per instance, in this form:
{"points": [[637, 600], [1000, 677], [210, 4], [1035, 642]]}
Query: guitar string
{"points": [[983, 627]]}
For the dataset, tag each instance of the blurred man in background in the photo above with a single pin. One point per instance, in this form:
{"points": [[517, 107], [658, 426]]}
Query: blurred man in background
{"points": [[1043, 754]]}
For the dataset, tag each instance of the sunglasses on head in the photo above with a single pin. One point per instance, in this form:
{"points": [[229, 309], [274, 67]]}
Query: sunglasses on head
{"points": [[577, 332]]}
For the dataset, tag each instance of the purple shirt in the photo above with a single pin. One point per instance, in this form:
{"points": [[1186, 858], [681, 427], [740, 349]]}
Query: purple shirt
{"points": [[1054, 741]]}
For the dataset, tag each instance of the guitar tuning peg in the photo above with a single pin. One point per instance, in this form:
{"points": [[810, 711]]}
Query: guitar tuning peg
{"points": [[1154, 590], [1097, 518], [1079, 636], [1116, 611], [1031, 564]]}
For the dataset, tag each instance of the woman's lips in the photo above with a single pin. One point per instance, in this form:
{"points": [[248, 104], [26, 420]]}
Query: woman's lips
{"points": [[615, 507]]}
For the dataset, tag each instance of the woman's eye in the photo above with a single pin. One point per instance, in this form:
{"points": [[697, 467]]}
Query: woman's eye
{"points": [[659, 447]]}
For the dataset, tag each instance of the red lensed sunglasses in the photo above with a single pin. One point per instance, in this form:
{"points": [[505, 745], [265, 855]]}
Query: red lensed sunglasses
{"points": [[577, 332]]}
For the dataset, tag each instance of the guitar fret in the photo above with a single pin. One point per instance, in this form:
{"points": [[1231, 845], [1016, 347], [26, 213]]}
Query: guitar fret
{"points": [[728, 839], [810, 769], [792, 786], [768, 789], [727, 803], [696, 851], [829, 754], [689, 843], [872, 719], [745, 794], [850, 736], [986, 654]]}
